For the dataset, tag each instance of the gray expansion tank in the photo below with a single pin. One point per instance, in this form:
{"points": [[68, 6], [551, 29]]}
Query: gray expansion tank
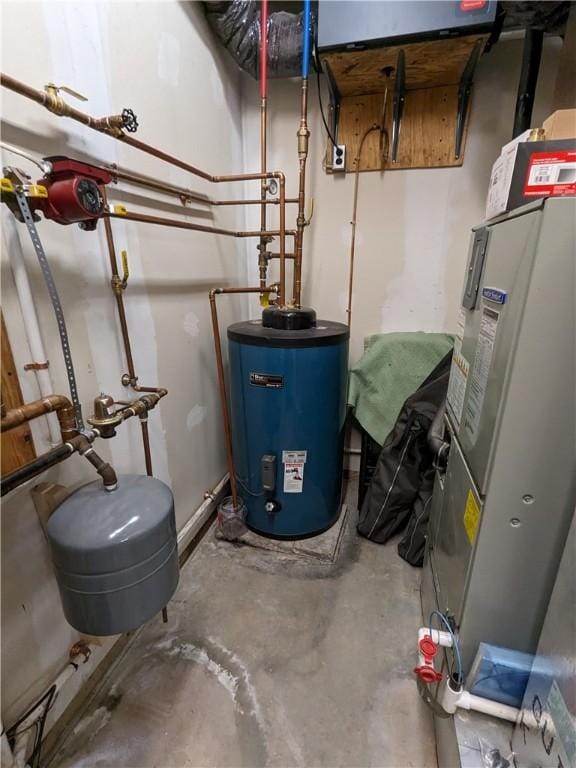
{"points": [[115, 554]]}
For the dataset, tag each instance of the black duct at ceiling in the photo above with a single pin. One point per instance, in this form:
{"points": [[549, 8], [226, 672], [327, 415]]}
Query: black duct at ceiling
{"points": [[237, 25]]}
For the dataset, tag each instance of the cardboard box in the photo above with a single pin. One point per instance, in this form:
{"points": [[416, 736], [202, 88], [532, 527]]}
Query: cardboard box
{"points": [[529, 170], [501, 176], [561, 124]]}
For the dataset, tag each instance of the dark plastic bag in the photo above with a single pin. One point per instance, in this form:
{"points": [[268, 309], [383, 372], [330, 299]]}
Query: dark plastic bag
{"points": [[404, 461], [412, 545]]}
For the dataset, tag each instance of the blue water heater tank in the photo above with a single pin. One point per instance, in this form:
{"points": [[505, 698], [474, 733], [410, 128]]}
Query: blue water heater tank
{"points": [[288, 405]]}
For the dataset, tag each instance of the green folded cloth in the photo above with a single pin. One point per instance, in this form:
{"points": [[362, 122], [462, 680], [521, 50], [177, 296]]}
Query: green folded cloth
{"points": [[392, 368]]}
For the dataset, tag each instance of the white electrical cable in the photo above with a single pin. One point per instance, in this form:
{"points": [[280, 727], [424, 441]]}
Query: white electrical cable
{"points": [[30, 318], [44, 165]]}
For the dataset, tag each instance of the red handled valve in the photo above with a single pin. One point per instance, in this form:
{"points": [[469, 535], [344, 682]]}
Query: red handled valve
{"points": [[425, 670]]}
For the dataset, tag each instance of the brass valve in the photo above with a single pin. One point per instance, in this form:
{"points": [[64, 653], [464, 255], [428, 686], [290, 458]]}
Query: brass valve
{"points": [[104, 418], [303, 137], [119, 283], [55, 103]]}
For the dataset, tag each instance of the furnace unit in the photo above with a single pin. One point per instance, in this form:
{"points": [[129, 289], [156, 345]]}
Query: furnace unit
{"points": [[501, 512]]}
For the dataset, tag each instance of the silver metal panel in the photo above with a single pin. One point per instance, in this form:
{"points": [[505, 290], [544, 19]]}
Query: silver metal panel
{"points": [[546, 734], [428, 594], [508, 266], [531, 485], [453, 546], [523, 453], [342, 23]]}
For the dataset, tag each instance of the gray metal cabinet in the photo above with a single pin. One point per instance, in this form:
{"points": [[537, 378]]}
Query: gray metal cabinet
{"points": [[503, 509]]}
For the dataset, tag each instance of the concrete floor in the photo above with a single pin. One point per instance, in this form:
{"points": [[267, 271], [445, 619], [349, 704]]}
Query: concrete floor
{"points": [[269, 660]]}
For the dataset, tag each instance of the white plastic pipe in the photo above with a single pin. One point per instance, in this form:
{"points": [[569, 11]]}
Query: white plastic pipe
{"points": [[44, 165], [438, 636], [488, 707], [453, 699], [22, 740], [461, 699], [31, 324]]}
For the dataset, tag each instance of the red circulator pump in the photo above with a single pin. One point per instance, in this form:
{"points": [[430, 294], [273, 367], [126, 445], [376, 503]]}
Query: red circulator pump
{"points": [[74, 192]]}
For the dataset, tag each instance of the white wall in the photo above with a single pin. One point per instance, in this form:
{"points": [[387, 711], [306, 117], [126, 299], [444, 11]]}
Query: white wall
{"points": [[413, 226], [158, 58]]}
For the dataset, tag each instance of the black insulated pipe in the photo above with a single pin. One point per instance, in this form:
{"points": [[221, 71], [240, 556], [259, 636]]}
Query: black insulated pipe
{"points": [[531, 55], [35, 467]]}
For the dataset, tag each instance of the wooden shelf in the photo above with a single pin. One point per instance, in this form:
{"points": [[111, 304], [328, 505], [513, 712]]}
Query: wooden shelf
{"points": [[428, 64], [433, 72]]}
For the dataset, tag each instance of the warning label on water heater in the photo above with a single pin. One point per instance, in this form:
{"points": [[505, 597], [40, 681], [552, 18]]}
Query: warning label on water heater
{"points": [[293, 470]]}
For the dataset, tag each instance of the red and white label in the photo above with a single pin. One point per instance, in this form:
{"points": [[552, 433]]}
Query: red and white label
{"points": [[551, 173], [293, 476]]}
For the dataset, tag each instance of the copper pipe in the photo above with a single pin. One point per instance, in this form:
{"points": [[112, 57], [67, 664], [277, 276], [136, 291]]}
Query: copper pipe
{"points": [[268, 201], [146, 444], [278, 175], [222, 379], [164, 222], [185, 195], [58, 106], [142, 405], [129, 379], [106, 420], [99, 124], [118, 289], [166, 157], [49, 404], [161, 155], [53, 104], [262, 262], [281, 301], [303, 139], [74, 442]]}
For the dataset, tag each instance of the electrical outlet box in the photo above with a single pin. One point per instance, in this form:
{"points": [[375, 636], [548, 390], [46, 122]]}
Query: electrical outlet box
{"points": [[339, 157]]}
